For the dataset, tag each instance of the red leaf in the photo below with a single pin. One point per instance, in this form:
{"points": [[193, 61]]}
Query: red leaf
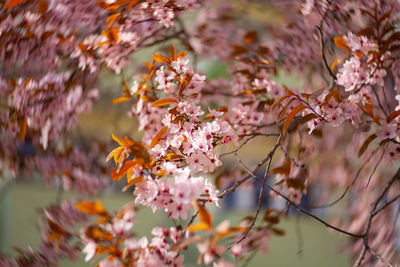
{"points": [[158, 136], [13, 3], [291, 116], [23, 128], [42, 6], [161, 59], [181, 54], [250, 37], [121, 99], [172, 52], [163, 102], [184, 83], [367, 141], [393, 115], [341, 43], [88, 207], [119, 172]]}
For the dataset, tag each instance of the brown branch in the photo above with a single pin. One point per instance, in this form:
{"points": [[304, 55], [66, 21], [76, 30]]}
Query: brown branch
{"points": [[240, 146], [380, 258], [322, 49], [348, 187], [372, 214], [259, 195], [244, 179], [190, 222], [375, 167], [306, 212], [322, 43], [293, 159], [386, 204]]}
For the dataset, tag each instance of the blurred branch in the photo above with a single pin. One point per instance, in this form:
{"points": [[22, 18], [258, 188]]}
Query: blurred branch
{"points": [[244, 179], [374, 211]]}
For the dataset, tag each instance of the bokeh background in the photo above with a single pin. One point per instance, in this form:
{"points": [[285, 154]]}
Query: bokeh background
{"points": [[305, 242]]}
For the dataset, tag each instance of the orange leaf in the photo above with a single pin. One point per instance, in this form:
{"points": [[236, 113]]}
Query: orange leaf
{"points": [[114, 33], [238, 50], [393, 115], [111, 19], [161, 173], [204, 216], [295, 183], [341, 43], [181, 54], [278, 101], [161, 59], [147, 98], [27, 81], [163, 102], [368, 108], [97, 233], [116, 153], [334, 64], [250, 37], [200, 226], [56, 231], [173, 156], [172, 52], [88, 207], [335, 94], [158, 136], [291, 116], [284, 110], [148, 66], [121, 99], [285, 169], [367, 141], [230, 231], [132, 4], [23, 127], [117, 139], [111, 34], [119, 172], [132, 182], [184, 83], [250, 92], [13, 3]]}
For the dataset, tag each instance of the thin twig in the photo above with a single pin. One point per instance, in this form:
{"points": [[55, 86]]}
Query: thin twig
{"points": [[190, 221], [372, 214], [375, 167], [239, 147], [259, 195], [386, 204], [379, 101], [251, 136], [306, 212], [380, 258], [247, 177], [348, 187], [322, 46], [293, 159]]}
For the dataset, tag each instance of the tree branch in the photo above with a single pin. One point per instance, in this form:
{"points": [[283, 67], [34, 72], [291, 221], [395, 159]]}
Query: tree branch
{"points": [[244, 179], [372, 214], [306, 212]]}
